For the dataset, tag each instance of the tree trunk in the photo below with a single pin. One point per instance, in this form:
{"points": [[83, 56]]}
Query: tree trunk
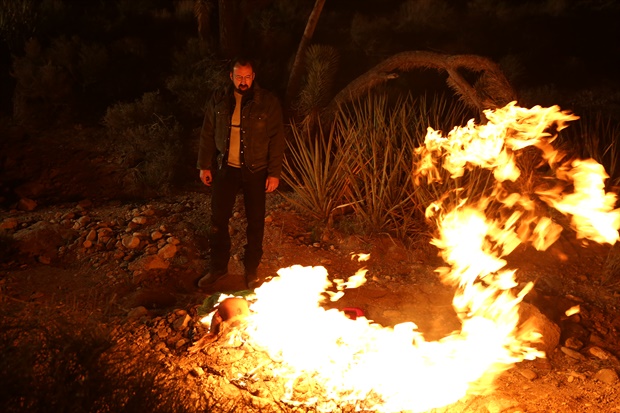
{"points": [[231, 27], [294, 79]]}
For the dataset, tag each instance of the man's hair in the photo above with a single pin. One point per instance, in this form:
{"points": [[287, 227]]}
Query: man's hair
{"points": [[241, 61]]}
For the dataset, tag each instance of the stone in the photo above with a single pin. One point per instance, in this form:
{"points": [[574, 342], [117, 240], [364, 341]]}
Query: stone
{"points": [[139, 220], [598, 353], [531, 318], [26, 204], [137, 312], [572, 353], [167, 251], [608, 376], [528, 374], [131, 242], [197, 371], [573, 343], [9, 223], [149, 262], [92, 235], [181, 323], [43, 238]]}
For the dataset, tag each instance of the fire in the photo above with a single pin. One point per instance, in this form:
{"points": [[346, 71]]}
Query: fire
{"points": [[360, 363]]}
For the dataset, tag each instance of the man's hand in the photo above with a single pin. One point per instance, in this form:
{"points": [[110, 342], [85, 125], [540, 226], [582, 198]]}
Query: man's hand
{"points": [[271, 184], [206, 177]]}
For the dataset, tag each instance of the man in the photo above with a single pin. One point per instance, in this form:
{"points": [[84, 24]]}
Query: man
{"points": [[241, 148]]}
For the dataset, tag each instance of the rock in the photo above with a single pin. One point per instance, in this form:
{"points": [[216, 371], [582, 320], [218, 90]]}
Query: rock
{"points": [[167, 251], [131, 242], [84, 204], [26, 204], [528, 374], [598, 353], [43, 239], [608, 376], [173, 241], [573, 343], [92, 235], [197, 371], [139, 220], [104, 234], [149, 262], [137, 312], [83, 221], [181, 322], [572, 353], [531, 317], [9, 223], [44, 259]]}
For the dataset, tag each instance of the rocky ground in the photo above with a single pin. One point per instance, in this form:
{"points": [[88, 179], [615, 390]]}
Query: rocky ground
{"points": [[128, 270]]}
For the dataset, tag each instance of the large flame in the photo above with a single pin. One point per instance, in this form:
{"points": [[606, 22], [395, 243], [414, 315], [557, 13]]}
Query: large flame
{"points": [[358, 362]]}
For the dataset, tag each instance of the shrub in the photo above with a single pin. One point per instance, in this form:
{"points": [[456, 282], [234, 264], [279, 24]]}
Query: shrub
{"points": [[364, 164], [45, 85], [149, 138], [315, 169], [18, 21], [197, 72]]}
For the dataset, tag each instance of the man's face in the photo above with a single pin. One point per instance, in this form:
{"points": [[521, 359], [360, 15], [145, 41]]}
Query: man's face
{"points": [[242, 77]]}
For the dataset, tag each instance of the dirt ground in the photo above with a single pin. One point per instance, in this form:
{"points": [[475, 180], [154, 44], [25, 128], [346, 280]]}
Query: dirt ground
{"points": [[138, 303]]}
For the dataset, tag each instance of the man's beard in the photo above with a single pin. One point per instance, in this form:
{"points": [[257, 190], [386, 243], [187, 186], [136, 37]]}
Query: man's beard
{"points": [[242, 91]]}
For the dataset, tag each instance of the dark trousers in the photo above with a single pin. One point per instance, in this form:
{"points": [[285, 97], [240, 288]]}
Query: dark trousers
{"points": [[226, 184]]}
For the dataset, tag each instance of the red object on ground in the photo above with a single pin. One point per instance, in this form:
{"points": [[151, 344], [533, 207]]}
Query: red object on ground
{"points": [[353, 312]]}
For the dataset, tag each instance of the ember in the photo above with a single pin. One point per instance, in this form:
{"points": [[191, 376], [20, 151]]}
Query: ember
{"points": [[352, 361]]}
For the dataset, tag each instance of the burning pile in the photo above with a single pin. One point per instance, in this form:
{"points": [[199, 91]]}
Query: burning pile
{"points": [[356, 362]]}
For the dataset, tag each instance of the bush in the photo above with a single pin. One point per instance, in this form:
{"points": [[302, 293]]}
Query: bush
{"points": [[364, 164], [45, 85], [149, 139], [197, 73]]}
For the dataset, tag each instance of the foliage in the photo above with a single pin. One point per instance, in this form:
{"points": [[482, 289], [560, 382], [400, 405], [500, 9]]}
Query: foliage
{"points": [[424, 14], [150, 139], [595, 136], [18, 21], [314, 168], [379, 165], [364, 164], [197, 73], [144, 111], [366, 32], [321, 68], [45, 86]]}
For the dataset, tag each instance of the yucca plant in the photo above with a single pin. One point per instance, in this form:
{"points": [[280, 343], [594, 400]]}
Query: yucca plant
{"points": [[594, 136], [314, 168], [321, 66], [378, 167], [441, 114]]}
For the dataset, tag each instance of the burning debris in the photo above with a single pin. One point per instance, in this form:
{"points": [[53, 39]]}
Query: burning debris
{"points": [[304, 354]]}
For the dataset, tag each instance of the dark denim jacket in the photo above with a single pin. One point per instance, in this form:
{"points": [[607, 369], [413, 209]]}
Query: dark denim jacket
{"points": [[262, 131]]}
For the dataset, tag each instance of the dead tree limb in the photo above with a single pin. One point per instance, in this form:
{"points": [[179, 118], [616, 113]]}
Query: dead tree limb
{"points": [[491, 89]]}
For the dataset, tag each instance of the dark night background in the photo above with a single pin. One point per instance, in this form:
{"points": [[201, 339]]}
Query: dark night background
{"points": [[67, 62], [569, 48]]}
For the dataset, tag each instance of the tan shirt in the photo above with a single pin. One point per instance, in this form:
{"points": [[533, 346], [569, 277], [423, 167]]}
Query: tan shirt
{"points": [[234, 150]]}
